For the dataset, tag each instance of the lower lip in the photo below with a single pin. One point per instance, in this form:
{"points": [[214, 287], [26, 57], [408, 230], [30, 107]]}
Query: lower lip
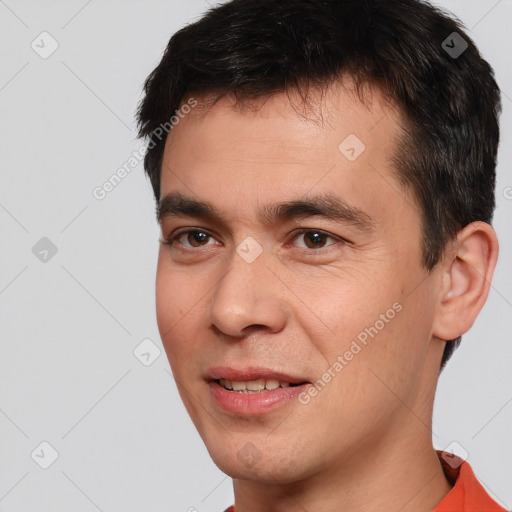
{"points": [[253, 403]]}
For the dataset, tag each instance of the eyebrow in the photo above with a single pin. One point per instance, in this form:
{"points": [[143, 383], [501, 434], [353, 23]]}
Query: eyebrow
{"points": [[327, 206]]}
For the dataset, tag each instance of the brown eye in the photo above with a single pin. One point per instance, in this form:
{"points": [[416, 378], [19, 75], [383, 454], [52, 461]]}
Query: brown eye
{"points": [[314, 239], [197, 238], [191, 238]]}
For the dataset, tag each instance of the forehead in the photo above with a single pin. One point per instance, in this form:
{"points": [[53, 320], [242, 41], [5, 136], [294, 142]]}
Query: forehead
{"points": [[280, 148], [290, 119]]}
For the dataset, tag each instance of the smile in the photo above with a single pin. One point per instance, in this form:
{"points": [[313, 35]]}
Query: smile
{"points": [[252, 391], [253, 386]]}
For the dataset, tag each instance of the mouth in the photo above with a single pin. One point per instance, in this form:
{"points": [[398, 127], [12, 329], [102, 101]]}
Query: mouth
{"points": [[253, 391]]}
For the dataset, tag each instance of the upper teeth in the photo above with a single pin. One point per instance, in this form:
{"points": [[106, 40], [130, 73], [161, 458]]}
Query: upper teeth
{"points": [[254, 386]]}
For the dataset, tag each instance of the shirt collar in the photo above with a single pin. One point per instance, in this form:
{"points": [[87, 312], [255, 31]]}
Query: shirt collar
{"points": [[467, 494]]}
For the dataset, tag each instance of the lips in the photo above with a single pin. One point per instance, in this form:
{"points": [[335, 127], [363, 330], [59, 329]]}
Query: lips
{"points": [[252, 391]]}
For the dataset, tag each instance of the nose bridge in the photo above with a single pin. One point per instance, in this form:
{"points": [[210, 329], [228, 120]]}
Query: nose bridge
{"points": [[248, 293]]}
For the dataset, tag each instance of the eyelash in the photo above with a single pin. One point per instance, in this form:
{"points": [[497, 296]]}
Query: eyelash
{"points": [[170, 241]]}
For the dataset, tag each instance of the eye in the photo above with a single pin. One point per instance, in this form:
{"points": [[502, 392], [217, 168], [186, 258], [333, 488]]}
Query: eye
{"points": [[191, 238], [315, 239]]}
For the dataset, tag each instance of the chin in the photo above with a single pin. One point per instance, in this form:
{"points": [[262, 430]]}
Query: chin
{"points": [[267, 466], [263, 472]]}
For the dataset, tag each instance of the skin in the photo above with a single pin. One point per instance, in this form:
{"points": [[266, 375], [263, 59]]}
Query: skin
{"points": [[364, 442]]}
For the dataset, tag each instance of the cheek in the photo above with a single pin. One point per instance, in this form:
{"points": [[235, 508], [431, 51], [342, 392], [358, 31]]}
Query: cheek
{"points": [[167, 304], [344, 308], [371, 324], [175, 310], [178, 294], [392, 345]]}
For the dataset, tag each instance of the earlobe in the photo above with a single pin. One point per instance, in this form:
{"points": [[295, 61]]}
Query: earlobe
{"points": [[468, 268]]}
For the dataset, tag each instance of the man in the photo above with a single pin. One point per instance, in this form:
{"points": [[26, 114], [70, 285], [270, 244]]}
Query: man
{"points": [[325, 193]]}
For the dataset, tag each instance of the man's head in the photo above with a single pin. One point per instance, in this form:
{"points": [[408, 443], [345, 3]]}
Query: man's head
{"points": [[357, 123], [446, 152]]}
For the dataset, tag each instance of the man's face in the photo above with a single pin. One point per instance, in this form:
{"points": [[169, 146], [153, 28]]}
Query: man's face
{"points": [[277, 299]]}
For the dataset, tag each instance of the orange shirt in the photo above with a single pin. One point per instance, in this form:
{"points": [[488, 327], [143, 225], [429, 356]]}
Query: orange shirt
{"points": [[467, 495]]}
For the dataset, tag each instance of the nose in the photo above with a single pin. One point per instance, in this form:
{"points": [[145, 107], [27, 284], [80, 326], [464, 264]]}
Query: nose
{"points": [[248, 297]]}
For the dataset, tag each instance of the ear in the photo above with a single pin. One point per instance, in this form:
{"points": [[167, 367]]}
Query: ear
{"points": [[467, 269]]}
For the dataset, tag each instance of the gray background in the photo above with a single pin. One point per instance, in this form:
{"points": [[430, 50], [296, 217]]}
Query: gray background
{"points": [[71, 321]]}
